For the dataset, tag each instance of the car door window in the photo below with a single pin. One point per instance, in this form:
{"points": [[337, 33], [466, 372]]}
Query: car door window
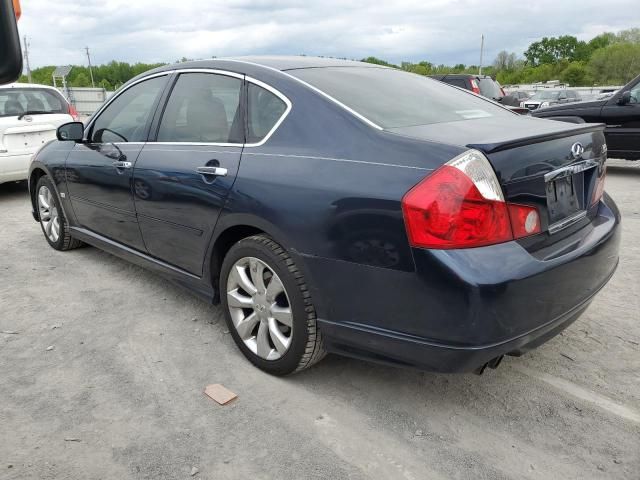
{"points": [[265, 109], [635, 94], [125, 118], [203, 108]]}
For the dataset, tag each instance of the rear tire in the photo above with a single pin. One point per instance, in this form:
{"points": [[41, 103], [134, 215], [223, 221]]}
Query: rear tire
{"points": [[52, 220], [268, 307]]}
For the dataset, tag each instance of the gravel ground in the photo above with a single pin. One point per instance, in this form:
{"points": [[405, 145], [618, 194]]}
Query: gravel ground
{"points": [[119, 394]]}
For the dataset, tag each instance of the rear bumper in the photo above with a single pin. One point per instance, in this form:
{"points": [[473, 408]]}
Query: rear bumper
{"points": [[14, 167], [462, 308]]}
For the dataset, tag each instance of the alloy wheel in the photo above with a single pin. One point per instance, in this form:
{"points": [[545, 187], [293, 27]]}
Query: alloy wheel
{"points": [[259, 308], [48, 212]]}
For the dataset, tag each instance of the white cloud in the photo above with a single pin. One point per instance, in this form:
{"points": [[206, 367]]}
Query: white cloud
{"points": [[440, 31]]}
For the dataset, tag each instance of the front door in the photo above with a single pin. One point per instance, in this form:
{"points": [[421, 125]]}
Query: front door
{"points": [[99, 171], [182, 179], [623, 125]]}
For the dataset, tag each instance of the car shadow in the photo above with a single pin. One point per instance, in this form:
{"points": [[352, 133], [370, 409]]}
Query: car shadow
{"points": [[13, 189]]}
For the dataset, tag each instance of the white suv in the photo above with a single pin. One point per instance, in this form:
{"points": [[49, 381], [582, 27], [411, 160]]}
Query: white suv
{"points": [[29, 117]]}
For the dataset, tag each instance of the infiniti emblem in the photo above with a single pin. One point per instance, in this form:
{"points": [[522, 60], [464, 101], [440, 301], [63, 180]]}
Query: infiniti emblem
{"points": [[577, 150]]}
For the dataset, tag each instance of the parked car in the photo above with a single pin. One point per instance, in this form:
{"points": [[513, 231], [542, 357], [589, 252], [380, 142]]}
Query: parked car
{"points": [[481, 84], [515, 98], [620, 113], [29, 117], [546, 98], [433, 229]]}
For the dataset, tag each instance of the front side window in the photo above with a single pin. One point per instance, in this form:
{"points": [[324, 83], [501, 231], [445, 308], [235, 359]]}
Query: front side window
{"points": [[265, 109], [203, 108], [635, 94], [125, 119]]}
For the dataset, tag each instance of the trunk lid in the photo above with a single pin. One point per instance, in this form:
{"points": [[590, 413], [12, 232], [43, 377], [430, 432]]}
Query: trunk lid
{"points": [[26, 135], [554, 166]]}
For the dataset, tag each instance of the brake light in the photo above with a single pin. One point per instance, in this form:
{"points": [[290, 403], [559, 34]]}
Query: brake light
{"points": [[474, 87], [461, 205], [73, 112], [598, 190]]}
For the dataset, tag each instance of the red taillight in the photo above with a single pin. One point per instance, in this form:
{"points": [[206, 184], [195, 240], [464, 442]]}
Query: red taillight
{"points": [[460, 205], [73, 112], [598, 190], [525, 220], [474, 87]]}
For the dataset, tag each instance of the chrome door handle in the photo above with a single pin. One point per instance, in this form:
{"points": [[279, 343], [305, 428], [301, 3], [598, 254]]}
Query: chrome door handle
{"points": [[121, 164], [215, 171]]}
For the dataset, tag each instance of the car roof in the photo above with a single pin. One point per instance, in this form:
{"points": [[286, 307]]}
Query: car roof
{"points": [[292, 62], [26, 85], [273, 62], [251, 65]]}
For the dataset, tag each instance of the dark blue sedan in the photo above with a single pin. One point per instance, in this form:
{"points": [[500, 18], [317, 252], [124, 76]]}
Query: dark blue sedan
{"points": [[335, 206]]}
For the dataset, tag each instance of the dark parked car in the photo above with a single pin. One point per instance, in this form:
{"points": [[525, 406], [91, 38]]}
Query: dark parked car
{"points": [[481, 84], [515, 99], [620, 113], [347, 207], [547, 98]]}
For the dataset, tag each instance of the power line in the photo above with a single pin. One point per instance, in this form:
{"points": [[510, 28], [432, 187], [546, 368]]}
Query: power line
{"points": [[90, 70]]}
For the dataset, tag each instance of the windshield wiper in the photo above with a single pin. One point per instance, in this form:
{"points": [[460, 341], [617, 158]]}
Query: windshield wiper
{"points": [[34, 112]]}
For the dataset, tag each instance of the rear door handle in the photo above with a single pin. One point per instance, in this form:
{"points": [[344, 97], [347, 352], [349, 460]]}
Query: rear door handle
{"points": [[214, 171], [121, 164]]}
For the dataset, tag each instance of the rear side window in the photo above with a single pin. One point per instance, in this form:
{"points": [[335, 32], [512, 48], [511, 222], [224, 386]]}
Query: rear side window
{"points": [[489, 88], [125, 118], [265, 109], [393, 98], [18, 101], [203, 108], [458, 82]]}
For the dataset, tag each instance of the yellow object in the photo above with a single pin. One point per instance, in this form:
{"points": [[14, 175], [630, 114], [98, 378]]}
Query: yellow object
{"points": [[17, 9]]}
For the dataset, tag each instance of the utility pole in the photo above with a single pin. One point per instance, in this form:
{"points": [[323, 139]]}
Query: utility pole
{"points": [[481, 53], [90, 71], [26, 58]]}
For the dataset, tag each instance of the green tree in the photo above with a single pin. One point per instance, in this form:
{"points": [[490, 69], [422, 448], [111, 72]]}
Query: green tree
{"points": [[80, 80], [616, 64], [378, 61], [576, 73]]}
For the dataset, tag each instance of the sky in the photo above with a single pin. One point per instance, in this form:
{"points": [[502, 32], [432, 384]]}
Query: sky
{"points": [[439, 31]]}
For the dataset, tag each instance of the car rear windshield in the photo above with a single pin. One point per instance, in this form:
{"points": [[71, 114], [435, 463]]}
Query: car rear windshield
{"points": [[17, 101], [393, 98], [489, 88], [545, 95]]}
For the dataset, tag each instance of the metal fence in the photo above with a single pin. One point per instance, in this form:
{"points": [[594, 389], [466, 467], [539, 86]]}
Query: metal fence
{"points": [[86, 100]]}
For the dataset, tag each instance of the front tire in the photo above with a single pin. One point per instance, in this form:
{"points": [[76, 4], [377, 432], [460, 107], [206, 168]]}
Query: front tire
{"points": [[52, 220], [268, 307]]}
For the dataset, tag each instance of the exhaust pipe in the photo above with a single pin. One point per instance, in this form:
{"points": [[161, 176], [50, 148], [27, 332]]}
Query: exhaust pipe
{"points": [[493, 364]]}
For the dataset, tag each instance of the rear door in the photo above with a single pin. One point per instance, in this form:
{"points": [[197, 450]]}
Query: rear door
{"points": [[623, 124], [182, 177], [99, 170]]}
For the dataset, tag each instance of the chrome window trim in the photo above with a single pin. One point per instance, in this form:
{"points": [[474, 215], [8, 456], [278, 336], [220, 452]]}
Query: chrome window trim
{"points": [[97, 114], [315, 89], [284, 115], [214, 71]]}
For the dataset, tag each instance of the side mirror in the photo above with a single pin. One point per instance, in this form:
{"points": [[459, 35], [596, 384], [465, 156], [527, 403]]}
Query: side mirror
{"points": [[10, 49], [625, 98], [71, 132]]}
